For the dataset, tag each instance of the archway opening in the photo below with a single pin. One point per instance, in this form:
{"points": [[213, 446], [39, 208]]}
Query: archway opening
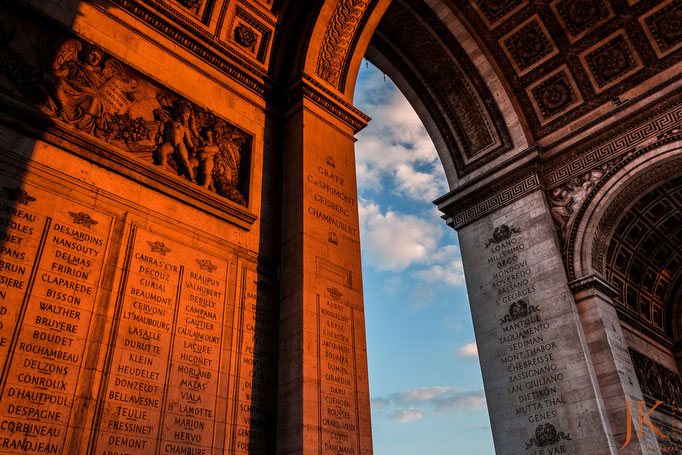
{"points": [[644, 263], [425, 379]]}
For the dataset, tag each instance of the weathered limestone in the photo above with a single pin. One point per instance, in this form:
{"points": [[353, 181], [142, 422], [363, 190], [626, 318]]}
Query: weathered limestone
{"points": [[541, 387], [612, 364]]}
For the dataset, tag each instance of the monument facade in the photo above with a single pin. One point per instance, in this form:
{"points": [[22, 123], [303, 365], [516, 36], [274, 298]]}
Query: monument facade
{"points": [[180, 257]]}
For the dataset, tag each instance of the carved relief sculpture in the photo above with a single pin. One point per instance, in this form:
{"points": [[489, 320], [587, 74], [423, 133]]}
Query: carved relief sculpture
{"points": [[176, 138], [80, 91], [78, 84], [565, 200], [657, 381]]}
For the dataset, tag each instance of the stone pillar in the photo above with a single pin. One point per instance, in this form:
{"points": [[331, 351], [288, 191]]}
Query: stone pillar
{"points": [[612, 363], [323, 403], [542, 391]]}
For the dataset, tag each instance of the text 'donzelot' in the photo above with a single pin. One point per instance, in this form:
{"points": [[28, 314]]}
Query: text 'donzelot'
{"points": [[162, 387]]}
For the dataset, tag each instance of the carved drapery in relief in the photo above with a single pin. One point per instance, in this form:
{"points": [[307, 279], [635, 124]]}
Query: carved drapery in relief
{"points": [[77, 83]]}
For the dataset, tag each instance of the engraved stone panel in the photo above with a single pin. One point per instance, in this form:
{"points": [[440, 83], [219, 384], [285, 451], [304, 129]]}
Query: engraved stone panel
{"points": [[540, 389], [337, 375], [52, 261], [254, 404], [163, 379]]}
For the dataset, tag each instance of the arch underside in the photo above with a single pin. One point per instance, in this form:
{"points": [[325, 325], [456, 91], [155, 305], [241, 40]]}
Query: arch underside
{"points": [[629, 230], [644, 256], [430, 65]]}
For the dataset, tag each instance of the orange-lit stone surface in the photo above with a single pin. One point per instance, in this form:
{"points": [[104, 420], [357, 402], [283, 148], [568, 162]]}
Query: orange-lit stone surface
{"points": [[180, 263], [56, 261], [164, 376]]}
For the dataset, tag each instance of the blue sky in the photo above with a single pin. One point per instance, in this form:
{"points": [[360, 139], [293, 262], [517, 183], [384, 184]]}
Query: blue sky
{"points": [[425, 379]]}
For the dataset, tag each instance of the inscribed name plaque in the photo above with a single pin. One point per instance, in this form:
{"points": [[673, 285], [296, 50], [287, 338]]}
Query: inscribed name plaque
{"points": [[52, 259], [531, 363], [541, 392], [163, 380], [339, 417], [255, 403]]}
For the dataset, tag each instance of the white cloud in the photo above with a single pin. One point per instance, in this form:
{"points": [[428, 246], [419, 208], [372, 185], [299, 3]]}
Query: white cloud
{"points": [[411, 405], [395, 145], [380, 403], [468, 351], [394, 240], [451, 274], [406, 415]]}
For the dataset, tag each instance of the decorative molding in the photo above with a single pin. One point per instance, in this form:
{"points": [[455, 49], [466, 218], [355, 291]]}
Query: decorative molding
{"points": [[614, 144], [325, 98], [555, 94], [643, 256], [580, 17], [662, 27], [593, 282], [493, 13], [610, 61], [202, 51], [511, 188], [247, 4], [336, 47], [633, 189], [260, 45], [462, 108], [529, 45]]}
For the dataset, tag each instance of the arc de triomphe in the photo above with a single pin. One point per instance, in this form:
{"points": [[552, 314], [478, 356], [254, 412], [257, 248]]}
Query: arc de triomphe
{"points": [[180, 256]]}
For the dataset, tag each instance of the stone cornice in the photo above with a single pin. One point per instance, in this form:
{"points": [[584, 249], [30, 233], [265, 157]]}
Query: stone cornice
{"points": [[33, 123], [639, 130], [243, 71], [593, 282], [499, 187], [308, 87]]}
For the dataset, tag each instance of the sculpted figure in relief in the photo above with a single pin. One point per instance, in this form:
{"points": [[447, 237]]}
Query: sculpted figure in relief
{"points": [[567, 199], [561, 200], [203, 158], [78, 84], [84, 93], [176, 138]]}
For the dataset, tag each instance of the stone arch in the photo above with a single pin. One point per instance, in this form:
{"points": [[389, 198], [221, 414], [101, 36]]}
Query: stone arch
{"points": [[637, 172], [471, 117]]}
